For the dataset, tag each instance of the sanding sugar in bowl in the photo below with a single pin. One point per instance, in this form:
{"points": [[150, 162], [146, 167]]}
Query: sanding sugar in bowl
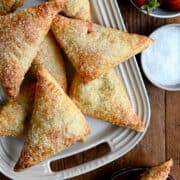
{"points": [[161, 61]]}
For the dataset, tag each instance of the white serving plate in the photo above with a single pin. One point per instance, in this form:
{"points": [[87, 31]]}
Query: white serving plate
{"points": [[120, 141]]}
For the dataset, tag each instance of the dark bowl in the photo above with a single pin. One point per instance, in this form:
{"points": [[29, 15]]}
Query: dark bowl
{"points": [[131, 174]]}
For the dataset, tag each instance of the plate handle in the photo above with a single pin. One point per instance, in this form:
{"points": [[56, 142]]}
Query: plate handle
{"points": [[82, 168]]}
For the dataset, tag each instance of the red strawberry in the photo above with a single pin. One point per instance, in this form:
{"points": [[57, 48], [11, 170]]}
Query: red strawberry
{"points": [[140, 3], [173, 5]]}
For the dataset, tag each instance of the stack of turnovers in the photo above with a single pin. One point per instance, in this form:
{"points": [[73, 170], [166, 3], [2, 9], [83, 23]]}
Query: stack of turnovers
{"points": [[21, 34], [14, 116], [42, 112]]}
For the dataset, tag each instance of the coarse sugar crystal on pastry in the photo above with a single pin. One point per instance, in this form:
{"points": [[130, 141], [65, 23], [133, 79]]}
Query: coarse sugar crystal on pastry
{"points": [[14, 115], [78, 9], [159, 172], [51, 57], [7, 6], [56, 123], [21, 33], [105, 98], [94, 49]]}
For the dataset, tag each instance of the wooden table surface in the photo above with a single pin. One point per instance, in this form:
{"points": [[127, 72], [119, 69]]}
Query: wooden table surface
{"points": [[162, 141]]}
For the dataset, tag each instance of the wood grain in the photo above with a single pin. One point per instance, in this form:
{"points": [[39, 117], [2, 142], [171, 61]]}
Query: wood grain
{"points": [[173, 130], [148, 153], [162, 140]]}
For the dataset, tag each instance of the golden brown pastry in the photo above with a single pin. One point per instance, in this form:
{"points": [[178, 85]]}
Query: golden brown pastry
{"points": [[105, 98], [7, 6], [94, 49], [159, 172], [50, 56], [56, 123], [14, 115], [21, 33], [79, 9]]}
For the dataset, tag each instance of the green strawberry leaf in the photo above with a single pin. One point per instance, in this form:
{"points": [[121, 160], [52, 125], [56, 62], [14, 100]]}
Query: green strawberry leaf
{"points": [[150, 5]]}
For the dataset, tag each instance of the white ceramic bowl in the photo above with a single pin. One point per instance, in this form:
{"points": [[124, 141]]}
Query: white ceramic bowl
{"points": [[163, 72], [159, 12]]}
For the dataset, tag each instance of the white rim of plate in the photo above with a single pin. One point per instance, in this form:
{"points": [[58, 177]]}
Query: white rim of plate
{"points": [[161, 86], [175, 14]]}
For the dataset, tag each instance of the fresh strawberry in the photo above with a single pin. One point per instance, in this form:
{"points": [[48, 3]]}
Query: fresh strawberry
{"points": [[140, 3], [148, 5], [173, 5]]}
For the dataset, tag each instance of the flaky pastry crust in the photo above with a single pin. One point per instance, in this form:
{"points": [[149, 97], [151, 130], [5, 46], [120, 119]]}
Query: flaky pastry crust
{"points": [[78, 9], [50, 56], [159, 172], [94, 49], [56, 123], [14, 116], [7, 6], [21, 33], [105, 98]]}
